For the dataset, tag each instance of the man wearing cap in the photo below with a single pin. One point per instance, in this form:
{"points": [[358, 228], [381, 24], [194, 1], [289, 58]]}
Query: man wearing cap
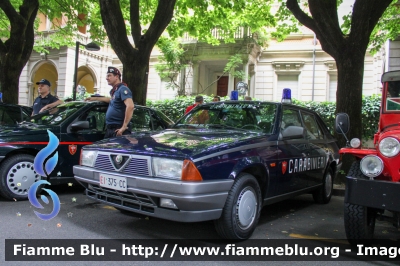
{"points": [[120, 109], [45, 100], [198, 100]]}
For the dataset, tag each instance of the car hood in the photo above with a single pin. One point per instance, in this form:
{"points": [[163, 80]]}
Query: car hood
{"points": [[26, 129], [178, 143]]}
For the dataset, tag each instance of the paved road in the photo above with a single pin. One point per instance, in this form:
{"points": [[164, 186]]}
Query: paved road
{"points": [[81, 218]]}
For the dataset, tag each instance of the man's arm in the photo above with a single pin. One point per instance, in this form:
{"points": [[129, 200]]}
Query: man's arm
{"points": [[100, 99], [128, 116], [51, 105]]}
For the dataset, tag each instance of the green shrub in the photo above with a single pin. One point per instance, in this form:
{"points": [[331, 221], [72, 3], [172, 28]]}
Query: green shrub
{"points": [[175, 108], [370, 113]]}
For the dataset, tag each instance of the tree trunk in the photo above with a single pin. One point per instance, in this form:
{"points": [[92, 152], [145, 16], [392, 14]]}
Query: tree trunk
{"points": [[137, 77], [15, 51], [135, 60], [350, 69]]}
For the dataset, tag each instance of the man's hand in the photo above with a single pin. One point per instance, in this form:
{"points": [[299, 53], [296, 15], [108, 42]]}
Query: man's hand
{"points": [[120, 131]]}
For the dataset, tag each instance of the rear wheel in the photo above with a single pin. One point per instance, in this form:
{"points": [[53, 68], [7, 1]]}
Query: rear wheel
{"points": [[359, 221], [17, 174], [242, 209]]}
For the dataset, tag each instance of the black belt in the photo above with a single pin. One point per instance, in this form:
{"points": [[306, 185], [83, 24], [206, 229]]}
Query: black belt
{"points": [[113, 126]]}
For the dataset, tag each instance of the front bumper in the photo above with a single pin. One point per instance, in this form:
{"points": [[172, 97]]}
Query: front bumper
{"points": [[373, 193], [196, 201]]}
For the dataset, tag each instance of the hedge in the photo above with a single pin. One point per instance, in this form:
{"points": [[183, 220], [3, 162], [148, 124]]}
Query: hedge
{"points": [[175, 108]]}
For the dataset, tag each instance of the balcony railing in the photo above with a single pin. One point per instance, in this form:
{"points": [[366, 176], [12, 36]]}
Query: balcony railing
{"points": [[241, 33]]}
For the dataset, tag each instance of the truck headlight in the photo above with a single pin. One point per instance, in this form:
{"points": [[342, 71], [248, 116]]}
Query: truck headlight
{"points": [[371, 165], [355, 143], [88, 157], [167, 168], [389, 147]]}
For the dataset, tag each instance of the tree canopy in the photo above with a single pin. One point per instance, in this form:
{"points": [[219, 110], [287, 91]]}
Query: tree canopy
{"points": [[120, 21]]}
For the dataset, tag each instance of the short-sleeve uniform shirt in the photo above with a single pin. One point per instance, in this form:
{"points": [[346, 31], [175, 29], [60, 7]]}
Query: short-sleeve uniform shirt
{"points": [[40, 102], [116, 110]]}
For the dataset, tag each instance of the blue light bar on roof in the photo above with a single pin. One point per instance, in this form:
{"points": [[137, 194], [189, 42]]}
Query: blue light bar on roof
{"points": [[287, 95]]}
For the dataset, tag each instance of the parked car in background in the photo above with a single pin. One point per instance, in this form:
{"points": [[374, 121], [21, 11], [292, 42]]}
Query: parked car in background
{"points": [[12, 114], [222, 161], [75, 124]]}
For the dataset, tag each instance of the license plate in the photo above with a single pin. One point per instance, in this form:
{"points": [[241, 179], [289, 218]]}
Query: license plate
{"points": [[113, 182]]}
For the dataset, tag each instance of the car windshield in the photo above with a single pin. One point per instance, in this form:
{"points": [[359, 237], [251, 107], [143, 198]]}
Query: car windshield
{"points": [[255, 116], [56, 115], [393, 96]]}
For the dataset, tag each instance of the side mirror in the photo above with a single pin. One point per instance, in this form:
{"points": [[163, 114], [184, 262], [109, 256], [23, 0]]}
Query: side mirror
{"points": [[293, 132], [79, 125], [342, 123]]}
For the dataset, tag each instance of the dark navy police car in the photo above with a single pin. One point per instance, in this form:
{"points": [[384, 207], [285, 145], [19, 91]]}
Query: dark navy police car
{"points": [[222, 161], [75, 124]]}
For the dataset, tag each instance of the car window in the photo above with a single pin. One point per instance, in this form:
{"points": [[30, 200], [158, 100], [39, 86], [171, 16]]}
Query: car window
{"points": [[290, 117], [247, 116], [56, 115], [393, 96], [141, 120], [313, 129], [97, 119], [5, 119]]}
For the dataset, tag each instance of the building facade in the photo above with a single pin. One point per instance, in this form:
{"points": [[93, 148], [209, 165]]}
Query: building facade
{"points": [[297, 63]]}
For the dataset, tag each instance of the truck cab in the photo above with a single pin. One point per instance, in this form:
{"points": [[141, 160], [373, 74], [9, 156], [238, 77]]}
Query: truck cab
{"points": [[373, 181]]}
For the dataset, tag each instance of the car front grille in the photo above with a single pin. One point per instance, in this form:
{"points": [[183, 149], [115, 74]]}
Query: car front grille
{"points": [[137, 165], [135, 201]]}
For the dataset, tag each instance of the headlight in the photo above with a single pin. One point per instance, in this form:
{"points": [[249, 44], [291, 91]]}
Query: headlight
{"points": [[371, 165], [88, 157], [167, 168], [389, 147], [355, 143]]}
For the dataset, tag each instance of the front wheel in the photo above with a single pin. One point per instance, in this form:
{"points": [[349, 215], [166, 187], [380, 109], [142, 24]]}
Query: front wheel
{"points": [[17, 174], [242, 209], [359, 223], [324, 193]]}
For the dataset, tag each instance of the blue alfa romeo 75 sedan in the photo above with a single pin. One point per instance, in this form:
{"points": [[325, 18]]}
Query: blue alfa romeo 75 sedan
{"points": [[222, 161]]}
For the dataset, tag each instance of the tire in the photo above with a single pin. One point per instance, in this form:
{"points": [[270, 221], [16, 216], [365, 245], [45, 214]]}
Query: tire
{"points": [[359, 221], [17, 174], [242, 209], [323, 194]]}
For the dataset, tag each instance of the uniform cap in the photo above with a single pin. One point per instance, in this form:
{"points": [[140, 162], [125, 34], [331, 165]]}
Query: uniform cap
{"points": [[114, 70], [44, 81]]}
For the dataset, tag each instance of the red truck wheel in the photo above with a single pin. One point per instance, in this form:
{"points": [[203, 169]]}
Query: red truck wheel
{"points": [[359, 221]]}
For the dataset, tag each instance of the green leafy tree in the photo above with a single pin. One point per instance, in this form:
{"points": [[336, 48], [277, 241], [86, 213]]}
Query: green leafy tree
{"points": [[347, 45], [16, 49], [19, 36], [172, 62], [145, 21]]}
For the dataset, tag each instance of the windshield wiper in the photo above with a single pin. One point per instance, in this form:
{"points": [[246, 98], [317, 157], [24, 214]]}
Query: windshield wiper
{"points": [[222, 126], [27, 123]]}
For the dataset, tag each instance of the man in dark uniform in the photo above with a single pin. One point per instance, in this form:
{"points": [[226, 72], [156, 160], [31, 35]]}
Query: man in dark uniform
{"points": [[45, 100], [120, 110]]}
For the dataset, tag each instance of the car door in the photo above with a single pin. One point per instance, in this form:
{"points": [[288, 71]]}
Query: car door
{"points": [[292, 153], [141, 120], [75, 138], [318, 152]]}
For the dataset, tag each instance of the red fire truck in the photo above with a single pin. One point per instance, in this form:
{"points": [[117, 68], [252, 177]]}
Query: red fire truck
{"points": [[373, 181]]}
